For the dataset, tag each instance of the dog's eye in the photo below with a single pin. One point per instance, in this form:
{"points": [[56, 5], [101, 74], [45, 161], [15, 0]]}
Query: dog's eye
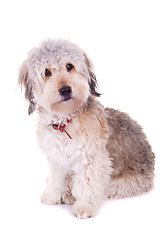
{"points": [[47, 73], [69, 67]]}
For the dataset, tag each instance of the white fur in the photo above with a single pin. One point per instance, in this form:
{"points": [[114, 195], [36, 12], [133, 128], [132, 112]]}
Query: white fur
{"points": [[75, 158]]}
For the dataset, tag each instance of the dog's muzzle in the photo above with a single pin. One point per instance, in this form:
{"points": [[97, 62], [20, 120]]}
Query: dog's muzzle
{"points": [[65, 91]]}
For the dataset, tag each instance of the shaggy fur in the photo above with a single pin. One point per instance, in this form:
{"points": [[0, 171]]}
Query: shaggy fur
{"points": [[108, 155]]}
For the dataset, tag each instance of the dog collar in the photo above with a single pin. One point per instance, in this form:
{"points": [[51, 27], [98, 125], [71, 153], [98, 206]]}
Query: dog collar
{"points": [[61, 126]]}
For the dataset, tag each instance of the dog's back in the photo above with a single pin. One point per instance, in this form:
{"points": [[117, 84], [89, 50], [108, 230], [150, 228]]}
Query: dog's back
{"points": [[131, 154]]}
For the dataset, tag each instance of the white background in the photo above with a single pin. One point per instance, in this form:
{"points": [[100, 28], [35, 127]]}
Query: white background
{"points": [[123, 40]]}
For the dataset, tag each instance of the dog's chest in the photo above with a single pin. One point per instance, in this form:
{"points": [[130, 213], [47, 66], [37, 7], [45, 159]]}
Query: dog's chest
{"points": [[88, 140], [60, 148]]}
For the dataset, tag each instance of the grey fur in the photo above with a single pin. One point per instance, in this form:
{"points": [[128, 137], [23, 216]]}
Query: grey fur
{"points": [[25, 81], [93, 84], [130, 151]]}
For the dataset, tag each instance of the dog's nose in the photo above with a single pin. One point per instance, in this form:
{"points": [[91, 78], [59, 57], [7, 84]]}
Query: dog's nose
{"points": [[65, 91]]}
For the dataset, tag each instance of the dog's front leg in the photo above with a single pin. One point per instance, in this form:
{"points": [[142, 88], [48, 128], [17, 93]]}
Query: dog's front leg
{"points": [[53, 192], [89, 186]]}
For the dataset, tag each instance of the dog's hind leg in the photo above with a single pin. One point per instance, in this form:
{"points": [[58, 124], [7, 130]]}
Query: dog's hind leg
{"points": [[128, 186]]}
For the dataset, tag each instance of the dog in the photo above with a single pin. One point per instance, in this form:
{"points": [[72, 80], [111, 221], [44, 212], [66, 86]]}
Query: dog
{"points": [[93, 152]]}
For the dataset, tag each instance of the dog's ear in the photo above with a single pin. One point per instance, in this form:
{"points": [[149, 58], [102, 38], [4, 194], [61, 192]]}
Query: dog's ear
{"points": [[25, 81], [92, 78]]}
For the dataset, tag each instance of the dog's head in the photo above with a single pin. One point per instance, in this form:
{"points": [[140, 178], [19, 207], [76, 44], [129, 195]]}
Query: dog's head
{"points": [[58, 76]]}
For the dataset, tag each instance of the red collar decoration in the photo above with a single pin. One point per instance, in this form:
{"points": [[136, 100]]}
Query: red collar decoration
{"points": [[61, 126]]}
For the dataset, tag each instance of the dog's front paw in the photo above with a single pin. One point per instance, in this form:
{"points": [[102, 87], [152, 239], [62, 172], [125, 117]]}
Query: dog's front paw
{"points": [[68, 199], [83, 211], [50, 197]]}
